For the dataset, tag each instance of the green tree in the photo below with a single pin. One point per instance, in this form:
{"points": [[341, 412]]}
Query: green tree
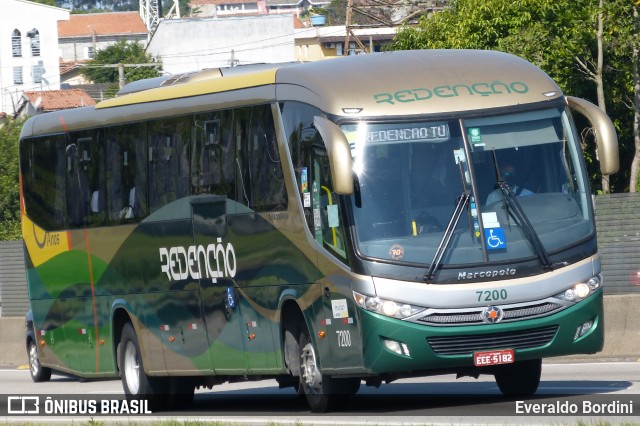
{"points": [[9, 182], [583, 45], [102, 68], [549, 33]]}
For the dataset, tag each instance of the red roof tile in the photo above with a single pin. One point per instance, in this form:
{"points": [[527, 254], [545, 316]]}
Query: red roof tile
{"points": [[54, 100], [102, 24]]}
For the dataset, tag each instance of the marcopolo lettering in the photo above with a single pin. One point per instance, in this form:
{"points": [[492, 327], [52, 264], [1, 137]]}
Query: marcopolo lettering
{"points": [[213, 261], [479, 88], [486, 274]]}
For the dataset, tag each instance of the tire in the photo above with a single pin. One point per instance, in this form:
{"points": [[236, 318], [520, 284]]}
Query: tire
{"points": [[38, 372], [520, 378], [323, 393], [135, 382]]}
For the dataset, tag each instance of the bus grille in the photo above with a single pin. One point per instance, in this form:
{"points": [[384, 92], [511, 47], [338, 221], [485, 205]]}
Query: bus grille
{"points": [[463, 345], [475, 317]]}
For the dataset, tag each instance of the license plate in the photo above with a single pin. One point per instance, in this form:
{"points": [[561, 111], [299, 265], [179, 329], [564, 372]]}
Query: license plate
{"points": [[504, 356]]}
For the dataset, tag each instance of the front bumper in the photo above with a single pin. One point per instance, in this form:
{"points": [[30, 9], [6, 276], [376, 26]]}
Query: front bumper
{"points": [[451, 347]]}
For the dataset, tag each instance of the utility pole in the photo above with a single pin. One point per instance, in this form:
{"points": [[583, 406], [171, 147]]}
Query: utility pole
{"points": [[384, 13], [121, 67]]}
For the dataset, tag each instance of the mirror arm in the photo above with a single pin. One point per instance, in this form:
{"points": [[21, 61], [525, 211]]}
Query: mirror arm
{"points": [[339, 154], [606, 137]]}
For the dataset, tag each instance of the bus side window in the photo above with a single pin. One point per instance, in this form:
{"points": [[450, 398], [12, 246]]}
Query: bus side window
{"points": [[169, 142], [267, 180], [241, 134], [44, 172], [126, 181], [85, 180], [329, 229], [301, 138]]}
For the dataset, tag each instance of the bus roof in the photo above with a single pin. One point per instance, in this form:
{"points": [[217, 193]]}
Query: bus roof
{"points": [[420, 82], [400, 83]]}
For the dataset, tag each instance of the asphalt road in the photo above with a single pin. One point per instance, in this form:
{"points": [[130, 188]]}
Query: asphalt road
{"points": [[594, 391]]}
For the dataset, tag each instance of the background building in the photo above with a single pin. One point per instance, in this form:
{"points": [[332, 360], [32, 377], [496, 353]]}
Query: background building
{"points": [[29, 54], [185, 45], [82, 35]]}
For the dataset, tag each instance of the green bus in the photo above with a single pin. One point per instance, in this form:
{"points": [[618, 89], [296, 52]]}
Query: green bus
{"points": [[327, 225]]}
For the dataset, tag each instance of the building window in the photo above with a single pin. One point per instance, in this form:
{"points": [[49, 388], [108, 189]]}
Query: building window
{"points": [[88, 52], [35, 42], [16, 44], [38, 72], [17, 75], [352, 48]]}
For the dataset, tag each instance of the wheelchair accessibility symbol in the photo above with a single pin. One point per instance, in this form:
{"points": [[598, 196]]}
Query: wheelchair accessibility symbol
{"points": [[494, 237]]}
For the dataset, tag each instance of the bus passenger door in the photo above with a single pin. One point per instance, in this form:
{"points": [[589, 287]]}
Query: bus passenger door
{"points": [[339, 319], [219, 296]]}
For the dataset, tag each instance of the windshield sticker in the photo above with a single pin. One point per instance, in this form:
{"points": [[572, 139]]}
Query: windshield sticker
{"points": [[474, 215], [490, 220], [458, 154], [306, 197], [475, 137], [332, 216], [339, 308], [396, 252], [304, 180], [424, 94], [495, 238]]}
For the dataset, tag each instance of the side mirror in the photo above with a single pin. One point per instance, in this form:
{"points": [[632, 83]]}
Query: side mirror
{"points": [[339, 155], [606, 137]]}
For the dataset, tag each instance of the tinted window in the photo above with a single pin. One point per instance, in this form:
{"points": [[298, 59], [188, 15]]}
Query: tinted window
{"points": [[43, 171]]}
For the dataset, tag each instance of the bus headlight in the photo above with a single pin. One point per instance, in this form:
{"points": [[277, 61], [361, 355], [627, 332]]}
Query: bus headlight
{"points": [[389, 308], [582, 290]]}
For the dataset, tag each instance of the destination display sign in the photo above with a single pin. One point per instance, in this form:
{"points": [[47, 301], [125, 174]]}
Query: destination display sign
{"points": [[397, 133], [418, 132]]}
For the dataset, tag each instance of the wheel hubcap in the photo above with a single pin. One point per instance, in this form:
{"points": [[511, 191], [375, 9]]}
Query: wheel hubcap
{"points": [[132, 368], [311, 377]]}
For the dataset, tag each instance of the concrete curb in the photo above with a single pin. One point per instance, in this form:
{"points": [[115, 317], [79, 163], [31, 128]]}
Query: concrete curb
{"points": [[622, 334]]}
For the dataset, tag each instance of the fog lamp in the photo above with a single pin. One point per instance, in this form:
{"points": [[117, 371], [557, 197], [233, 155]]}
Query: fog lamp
{"points": [[397, 347], [583, 329]]}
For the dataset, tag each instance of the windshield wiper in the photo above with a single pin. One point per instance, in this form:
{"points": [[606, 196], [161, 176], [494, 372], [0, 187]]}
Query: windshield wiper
{"points": [[461, 204], [515, 209]]}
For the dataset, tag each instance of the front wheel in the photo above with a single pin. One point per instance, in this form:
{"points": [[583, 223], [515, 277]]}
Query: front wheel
{"points": [[323, 393], [136, 383], [38, 372], [520, 378]]}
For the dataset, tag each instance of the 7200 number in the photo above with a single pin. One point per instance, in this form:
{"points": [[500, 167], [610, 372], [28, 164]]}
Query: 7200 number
{"points": [[492, 295]]}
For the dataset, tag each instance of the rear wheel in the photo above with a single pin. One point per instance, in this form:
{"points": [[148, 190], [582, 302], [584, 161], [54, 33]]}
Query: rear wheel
{"points": [[520, 378], [136, 383], [323, 393], [38, 372]]}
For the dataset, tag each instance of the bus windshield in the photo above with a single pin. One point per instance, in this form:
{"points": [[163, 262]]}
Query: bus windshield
{"points": [[411, 176]]}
